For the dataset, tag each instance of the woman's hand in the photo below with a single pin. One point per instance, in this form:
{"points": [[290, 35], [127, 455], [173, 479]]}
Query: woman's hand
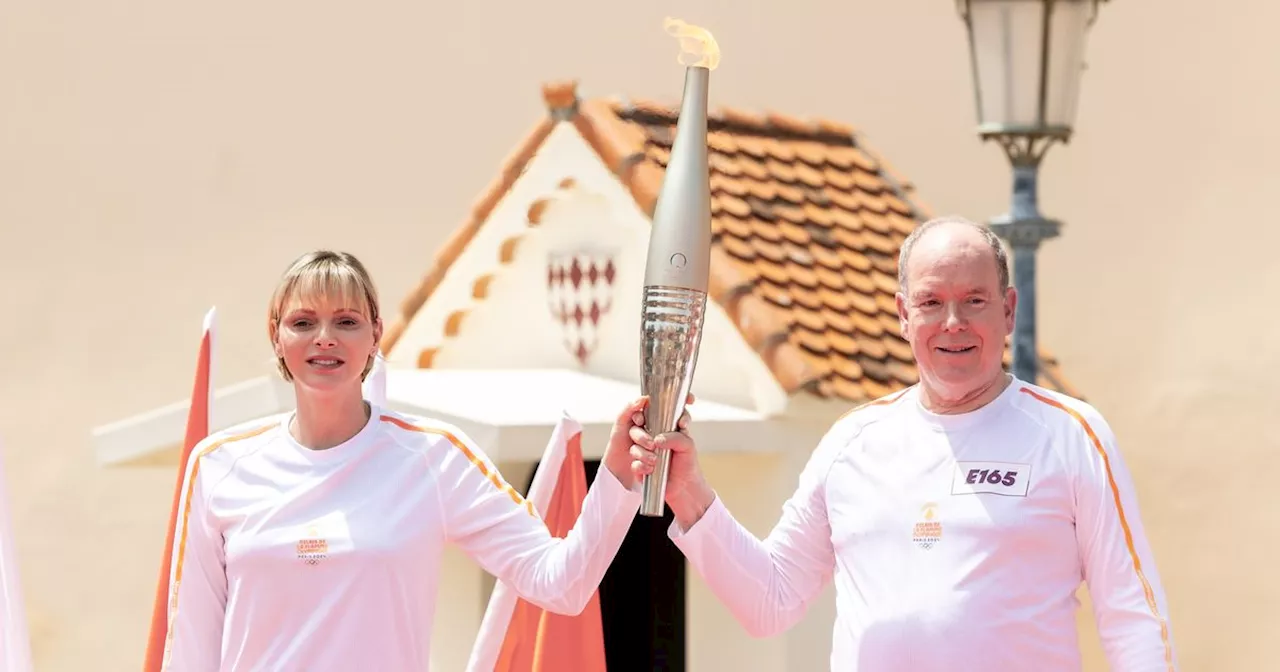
{"points": [[687, 492], [619, 456]]}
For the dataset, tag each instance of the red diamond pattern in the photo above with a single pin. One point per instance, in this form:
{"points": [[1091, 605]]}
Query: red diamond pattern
{"points": [[579, 296]]}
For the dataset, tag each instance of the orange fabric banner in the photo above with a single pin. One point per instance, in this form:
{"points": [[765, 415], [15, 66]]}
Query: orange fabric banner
{"points": [[517, 636], [197, 430]]}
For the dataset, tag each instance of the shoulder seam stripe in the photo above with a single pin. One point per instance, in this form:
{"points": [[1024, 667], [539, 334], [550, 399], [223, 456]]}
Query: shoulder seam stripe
{"points": [[882, 401], [1124, 523], [479, 464]]}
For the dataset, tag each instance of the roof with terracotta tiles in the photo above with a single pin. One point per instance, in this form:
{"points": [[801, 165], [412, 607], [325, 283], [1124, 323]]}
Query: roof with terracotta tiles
{"points": [[807, 220]]}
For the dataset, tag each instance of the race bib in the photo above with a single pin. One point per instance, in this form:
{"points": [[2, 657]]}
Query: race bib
{"points": [[1011, 479]]}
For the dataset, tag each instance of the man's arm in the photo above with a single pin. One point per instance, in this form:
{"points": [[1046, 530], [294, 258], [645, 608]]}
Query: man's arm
{"points": [[767, 585], [1119, 567], [197, 581]]}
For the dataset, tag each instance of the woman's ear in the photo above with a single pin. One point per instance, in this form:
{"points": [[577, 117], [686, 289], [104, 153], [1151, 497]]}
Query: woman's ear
{"points": [[273, 332]]}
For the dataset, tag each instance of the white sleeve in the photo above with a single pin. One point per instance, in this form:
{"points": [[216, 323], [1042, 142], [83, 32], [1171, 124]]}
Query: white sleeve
{"points": [[502, 532], [1119, 567], [197, 581], [768, 585]]}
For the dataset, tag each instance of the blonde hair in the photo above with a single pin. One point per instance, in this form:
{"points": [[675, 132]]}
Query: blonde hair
{"points": [[324, 273]]}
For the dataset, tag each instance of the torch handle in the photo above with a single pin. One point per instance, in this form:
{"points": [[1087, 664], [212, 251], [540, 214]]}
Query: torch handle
{"points": [[671, 332]]}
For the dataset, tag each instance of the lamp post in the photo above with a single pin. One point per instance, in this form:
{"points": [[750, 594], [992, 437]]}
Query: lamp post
{"points": [[1027, 57]]}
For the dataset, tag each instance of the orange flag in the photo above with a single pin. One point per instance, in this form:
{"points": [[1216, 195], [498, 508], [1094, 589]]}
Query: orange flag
{"points": [[517, 636], [197, 430]]}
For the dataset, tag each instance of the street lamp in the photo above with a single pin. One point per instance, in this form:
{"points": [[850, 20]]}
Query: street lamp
{"points": [[1027, 57]]}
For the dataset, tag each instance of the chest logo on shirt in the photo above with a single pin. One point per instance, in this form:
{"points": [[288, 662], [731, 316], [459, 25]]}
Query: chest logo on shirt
{"points": [[312, 548], [1011, 479], [928, 531]]}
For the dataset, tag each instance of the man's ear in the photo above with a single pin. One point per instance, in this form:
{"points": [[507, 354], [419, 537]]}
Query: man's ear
{"points": [[1010, 307]]}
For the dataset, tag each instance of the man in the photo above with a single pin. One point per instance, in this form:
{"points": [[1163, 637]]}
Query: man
{"points": [[957, 517]]}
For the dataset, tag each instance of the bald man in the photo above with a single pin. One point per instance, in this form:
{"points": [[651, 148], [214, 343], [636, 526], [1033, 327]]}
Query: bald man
{"points": [[957, 517]]}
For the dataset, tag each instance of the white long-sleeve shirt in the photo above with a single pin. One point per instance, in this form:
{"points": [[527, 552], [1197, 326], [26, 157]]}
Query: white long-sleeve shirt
{"points": [[956, 542], [295, 559]]}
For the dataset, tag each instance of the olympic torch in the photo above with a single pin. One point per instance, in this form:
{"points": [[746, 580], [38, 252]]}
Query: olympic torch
{"points": [[676, 271]]}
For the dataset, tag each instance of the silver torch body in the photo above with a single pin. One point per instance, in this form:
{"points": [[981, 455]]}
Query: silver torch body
{"points": [[675, 280]]}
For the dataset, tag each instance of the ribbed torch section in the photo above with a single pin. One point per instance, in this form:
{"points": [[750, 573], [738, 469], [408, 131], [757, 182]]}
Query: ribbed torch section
{"points": [[671, 323]]}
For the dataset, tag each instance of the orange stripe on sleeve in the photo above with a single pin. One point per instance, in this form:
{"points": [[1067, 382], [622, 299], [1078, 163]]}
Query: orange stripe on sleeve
{"points": [[186, 515], [476, 461], [1124, 523]]}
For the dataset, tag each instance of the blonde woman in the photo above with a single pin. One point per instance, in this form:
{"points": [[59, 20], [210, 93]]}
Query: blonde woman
{"points": [[312, 540]]}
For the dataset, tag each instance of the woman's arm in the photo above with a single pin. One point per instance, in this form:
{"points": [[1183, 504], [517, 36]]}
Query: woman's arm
{"points": [[197, 582], [501, 531]]}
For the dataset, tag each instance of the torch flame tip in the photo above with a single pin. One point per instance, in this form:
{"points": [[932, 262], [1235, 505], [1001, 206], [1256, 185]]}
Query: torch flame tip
{"points": [[698, 46]]}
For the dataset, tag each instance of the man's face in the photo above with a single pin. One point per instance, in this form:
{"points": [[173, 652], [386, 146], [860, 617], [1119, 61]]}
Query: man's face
{"points": [[955, 314]]}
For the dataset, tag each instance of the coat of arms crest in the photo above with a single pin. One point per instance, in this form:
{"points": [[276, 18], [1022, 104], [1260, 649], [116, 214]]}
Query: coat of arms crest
{"points": [[579, 294]]}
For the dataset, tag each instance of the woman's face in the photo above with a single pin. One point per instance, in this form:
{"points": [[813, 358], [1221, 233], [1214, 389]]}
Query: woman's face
{"points": [[326, 342]]}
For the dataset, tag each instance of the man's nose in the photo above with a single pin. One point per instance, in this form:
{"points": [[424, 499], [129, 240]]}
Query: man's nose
{"points": [[952, 320]]}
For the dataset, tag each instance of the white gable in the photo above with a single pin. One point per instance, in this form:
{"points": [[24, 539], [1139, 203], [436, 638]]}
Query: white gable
{"points": [[514, 325], [482, 256]]}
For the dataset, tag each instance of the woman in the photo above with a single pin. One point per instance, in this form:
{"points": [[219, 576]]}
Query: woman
{"points": [[312, 540]]}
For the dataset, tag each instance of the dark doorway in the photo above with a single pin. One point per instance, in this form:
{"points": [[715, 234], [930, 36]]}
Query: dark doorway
{"points": [[642, 597]]}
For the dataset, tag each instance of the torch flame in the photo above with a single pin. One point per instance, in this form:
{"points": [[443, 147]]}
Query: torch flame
{"points": [[698, 47]]}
